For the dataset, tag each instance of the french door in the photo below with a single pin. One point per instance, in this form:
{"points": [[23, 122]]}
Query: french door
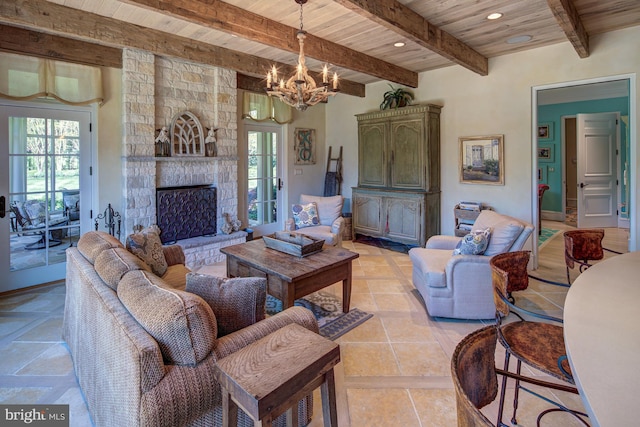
{"points": [[45, 190], [264, 178]]}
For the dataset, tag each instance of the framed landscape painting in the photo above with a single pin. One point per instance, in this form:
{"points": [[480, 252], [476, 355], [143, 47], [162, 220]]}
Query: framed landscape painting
{"points": [[482, 160]]}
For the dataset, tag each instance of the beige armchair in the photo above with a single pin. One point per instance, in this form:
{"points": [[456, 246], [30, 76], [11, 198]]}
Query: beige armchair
{"points": [[330, 221], [460, 286]]}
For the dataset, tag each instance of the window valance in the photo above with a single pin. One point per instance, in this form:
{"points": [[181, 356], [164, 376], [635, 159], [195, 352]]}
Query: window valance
{"points": [[26, 77], [260, 108]]}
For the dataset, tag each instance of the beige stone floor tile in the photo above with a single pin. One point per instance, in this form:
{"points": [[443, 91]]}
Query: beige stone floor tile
{"points": [[50, 330], [56, 360], [378, 271], [359, 286], [394, 302], [371, 260], [16, 355], [422, 359], [378, 286], [408, 328], [436, 408], [368, 359], [381, 408], [78, 414], [32, 302], [22, 395], [364, 301], [9, 325], [370, 331]]}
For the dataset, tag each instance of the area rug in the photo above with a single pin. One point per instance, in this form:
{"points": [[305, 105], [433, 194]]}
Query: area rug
{"points": [[327, 309], [383, 243], [546, 235]]}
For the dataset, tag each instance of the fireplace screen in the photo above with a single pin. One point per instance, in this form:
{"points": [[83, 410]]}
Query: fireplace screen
{"points": [[185, 212]]}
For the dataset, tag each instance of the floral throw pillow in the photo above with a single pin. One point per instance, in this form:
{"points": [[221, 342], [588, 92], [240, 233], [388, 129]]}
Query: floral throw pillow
{"points": [[147, 246], [305, 215], [474, 243]]}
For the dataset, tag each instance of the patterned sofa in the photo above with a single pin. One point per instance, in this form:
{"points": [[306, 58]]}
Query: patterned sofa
{"points": [[144, 348]]}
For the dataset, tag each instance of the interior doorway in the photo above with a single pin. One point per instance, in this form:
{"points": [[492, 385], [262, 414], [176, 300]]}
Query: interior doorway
{"points": [[570, 171]]}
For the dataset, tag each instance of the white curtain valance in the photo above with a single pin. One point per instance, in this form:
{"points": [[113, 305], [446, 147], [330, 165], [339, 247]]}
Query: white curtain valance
{"points": [[260, 108], [26, 77]]}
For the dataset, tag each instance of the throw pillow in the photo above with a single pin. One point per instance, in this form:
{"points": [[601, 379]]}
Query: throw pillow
{"points": [[474, 243], [147, 246], [237, 302], [305, 215]]}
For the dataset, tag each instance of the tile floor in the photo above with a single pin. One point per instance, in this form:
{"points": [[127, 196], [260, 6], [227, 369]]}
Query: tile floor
{"points": [[394, 371]]}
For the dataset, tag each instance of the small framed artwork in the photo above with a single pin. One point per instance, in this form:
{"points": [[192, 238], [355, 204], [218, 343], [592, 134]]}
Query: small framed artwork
{"points": [[545, 153], [545, 130], [482, 160], [304, 147]]}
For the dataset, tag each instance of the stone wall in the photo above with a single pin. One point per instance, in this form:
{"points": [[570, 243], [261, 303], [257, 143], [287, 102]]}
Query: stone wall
{"points": [[155, 90]]}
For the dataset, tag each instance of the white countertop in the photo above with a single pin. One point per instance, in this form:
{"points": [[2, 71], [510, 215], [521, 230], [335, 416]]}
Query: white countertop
{"points": [[602, 337]]}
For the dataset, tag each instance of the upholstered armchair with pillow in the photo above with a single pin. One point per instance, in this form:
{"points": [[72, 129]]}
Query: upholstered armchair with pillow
{"points": [[319, 217], [453, 274]]}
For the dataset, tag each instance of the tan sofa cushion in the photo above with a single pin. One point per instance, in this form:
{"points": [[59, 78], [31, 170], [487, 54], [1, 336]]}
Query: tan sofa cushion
{"points": [[432, 264], [114, 263], [147, 246], [181, 322], [237, 302], [92, 243]]}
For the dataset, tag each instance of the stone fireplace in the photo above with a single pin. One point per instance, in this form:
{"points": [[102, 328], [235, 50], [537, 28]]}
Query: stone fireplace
{"points": [[156, 89]]}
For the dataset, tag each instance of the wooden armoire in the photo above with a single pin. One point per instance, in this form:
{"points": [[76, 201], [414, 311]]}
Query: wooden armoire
{"points": [[398, 192]]}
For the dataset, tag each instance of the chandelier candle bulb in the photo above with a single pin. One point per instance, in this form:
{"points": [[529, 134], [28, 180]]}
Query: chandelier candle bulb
{"points": [[325, 73], [335, 81]]}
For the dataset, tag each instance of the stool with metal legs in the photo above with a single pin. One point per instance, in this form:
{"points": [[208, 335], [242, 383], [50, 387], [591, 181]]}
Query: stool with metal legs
{"points": [[538, 344]]}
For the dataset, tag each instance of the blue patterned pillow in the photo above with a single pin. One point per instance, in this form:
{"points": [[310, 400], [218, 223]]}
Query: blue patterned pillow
{"points": [[305, 215], [474, 243]]}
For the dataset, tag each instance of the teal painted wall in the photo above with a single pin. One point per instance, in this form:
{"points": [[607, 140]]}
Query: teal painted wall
{"points": [[552, 114]]}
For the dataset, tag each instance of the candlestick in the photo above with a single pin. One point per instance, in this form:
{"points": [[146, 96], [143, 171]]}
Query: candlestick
{"points": [[335, 81], [325, 71]]}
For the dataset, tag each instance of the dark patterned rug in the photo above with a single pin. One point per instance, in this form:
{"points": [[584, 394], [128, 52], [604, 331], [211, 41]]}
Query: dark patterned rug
{"points": [[383, 243], [327, 309]]}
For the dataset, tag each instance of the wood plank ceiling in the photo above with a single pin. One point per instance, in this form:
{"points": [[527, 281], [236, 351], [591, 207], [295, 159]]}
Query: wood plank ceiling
{"points": [[356, 37]]}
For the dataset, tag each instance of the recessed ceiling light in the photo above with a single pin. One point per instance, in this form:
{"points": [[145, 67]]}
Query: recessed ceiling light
{"points": [[496, 15], [399, 44], [519, 39]]}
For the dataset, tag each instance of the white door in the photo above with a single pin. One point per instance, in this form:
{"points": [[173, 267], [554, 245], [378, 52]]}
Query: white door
{"points": [[44, 183], [597, 174], [265, 210]]}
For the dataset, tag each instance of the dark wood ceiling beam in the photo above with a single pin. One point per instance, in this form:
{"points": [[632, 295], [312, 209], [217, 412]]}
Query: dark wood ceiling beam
{"points": [[231, 19], [570, 22], [404, 21], [50, 18], [35, 43]]}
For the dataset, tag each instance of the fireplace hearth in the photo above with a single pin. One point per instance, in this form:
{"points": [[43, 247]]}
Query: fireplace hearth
{"points": [[186, 212]]}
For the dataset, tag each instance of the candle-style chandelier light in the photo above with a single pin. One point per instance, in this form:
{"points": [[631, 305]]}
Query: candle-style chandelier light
{"points": [[300, 90]]}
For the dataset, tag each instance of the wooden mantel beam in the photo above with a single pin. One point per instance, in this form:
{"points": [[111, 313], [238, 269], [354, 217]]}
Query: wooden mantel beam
{"points": [[399, 18], [570, 22], [231, 19], [40, 15]]}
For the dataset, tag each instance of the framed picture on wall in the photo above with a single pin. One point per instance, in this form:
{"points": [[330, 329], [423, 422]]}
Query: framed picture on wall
{"points": [[545, 130], [304, 147], [482, 160], [545, 153]]}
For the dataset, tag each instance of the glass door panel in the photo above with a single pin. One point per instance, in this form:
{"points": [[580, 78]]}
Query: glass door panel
{"points": [[43, 159]]}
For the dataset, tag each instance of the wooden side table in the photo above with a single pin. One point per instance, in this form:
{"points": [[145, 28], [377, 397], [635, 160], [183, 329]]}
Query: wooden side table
{"points": [[268, 377]]}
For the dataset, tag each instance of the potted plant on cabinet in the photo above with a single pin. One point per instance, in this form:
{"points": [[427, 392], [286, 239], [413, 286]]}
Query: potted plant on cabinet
{"points": [[396, 98]]}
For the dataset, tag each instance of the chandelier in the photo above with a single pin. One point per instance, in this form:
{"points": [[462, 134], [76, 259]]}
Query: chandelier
{"points": [[300, 90]]}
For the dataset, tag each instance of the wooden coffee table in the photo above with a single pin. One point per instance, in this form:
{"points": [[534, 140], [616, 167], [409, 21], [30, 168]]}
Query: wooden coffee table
{"points": [[290, 277]]}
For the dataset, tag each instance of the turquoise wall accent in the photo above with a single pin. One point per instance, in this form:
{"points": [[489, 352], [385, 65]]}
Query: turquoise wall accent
{"points": [[553, 114]]}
